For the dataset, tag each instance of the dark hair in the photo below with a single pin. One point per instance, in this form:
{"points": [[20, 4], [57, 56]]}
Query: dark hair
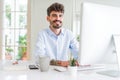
{"points": [[55, 7]]}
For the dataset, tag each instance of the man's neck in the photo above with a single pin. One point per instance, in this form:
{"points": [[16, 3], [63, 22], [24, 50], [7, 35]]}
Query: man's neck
{"points": [[56, 31]]}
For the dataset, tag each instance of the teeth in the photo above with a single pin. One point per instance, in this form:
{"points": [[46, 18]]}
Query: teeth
{"points": [[57, 22]]}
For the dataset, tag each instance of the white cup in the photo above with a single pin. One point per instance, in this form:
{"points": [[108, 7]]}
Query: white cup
{"points": [[44, 62]]}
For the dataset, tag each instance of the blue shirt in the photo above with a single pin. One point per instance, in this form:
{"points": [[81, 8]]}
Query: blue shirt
{"points": [[55, 46]]}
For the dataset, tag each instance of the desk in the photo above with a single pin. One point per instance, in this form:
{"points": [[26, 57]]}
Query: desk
{"points": [[52, 75]]}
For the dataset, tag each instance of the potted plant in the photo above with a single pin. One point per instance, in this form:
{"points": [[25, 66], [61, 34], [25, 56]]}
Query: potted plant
{"points": [[8, 53], [72, 62], [72, 68], [22, 49]]}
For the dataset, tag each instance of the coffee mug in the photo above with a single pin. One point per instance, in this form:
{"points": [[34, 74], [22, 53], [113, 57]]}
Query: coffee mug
{"points": [[44, 62]]}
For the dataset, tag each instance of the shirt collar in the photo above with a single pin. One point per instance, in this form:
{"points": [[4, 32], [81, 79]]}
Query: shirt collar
{"points": [[53, 34]]}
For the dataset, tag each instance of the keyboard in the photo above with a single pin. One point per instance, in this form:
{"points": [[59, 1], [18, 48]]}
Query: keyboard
{"points": [[60, 69], [90, 67]]}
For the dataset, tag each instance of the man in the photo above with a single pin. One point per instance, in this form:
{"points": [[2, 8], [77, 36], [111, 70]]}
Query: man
{"points": [[56, 41]]}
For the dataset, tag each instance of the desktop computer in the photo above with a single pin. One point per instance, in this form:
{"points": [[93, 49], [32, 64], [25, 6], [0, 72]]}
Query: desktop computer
{"points": [[98, 43]]}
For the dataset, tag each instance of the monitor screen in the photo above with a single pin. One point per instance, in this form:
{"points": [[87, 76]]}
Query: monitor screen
{"points": [[98, 24]]}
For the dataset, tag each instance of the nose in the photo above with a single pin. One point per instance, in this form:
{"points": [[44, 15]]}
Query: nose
{"points": [[57, 17]]}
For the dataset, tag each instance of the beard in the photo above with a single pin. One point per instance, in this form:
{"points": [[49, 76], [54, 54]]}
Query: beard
{"points": [[56, 25]]}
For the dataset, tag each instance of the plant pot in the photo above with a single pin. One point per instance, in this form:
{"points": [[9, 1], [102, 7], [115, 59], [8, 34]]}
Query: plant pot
{"points": [[8, 57], [24, 57], [72, 70]]}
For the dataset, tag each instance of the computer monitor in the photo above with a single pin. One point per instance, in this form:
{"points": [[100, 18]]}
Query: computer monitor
{"points": [[98, 24]]}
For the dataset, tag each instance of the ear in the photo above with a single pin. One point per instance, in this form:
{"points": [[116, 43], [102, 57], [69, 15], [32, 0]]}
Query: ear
{"points": [[47, 18]]}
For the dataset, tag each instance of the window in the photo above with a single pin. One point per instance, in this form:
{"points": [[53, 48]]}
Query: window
{"points": [[15, 31], [76, 18], [76, 23]]}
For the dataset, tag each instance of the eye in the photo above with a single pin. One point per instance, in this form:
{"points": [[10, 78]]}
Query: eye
{"points": [[61, 15], [54, 15]]}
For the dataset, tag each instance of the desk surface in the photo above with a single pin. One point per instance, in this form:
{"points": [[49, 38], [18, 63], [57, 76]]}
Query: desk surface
{"points": [[52, 75]]}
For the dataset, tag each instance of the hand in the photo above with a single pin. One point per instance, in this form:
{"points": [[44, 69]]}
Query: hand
{"points": [[62, 63], [77, 64], [59, 63]]}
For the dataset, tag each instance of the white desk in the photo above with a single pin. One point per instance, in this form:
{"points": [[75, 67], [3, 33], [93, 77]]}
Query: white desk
{"points": [[52, 75]]}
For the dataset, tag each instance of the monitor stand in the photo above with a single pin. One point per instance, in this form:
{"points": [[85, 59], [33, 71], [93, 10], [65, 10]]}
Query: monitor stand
{"points": [[114, 73], [116, 41]]}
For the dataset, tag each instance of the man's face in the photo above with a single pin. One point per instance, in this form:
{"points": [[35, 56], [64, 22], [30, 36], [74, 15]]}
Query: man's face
{"points": [[55, 19]]}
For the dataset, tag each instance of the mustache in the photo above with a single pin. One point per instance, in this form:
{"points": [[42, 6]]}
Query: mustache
{"points": [[57, 21]]}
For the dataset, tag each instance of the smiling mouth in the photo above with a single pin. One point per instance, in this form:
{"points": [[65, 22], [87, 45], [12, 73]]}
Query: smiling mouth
{"points": [[57, 21]]}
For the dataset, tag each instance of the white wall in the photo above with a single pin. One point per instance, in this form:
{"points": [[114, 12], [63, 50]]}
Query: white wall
{"points": [[39, 13], [1, 16], [106, 2]]}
